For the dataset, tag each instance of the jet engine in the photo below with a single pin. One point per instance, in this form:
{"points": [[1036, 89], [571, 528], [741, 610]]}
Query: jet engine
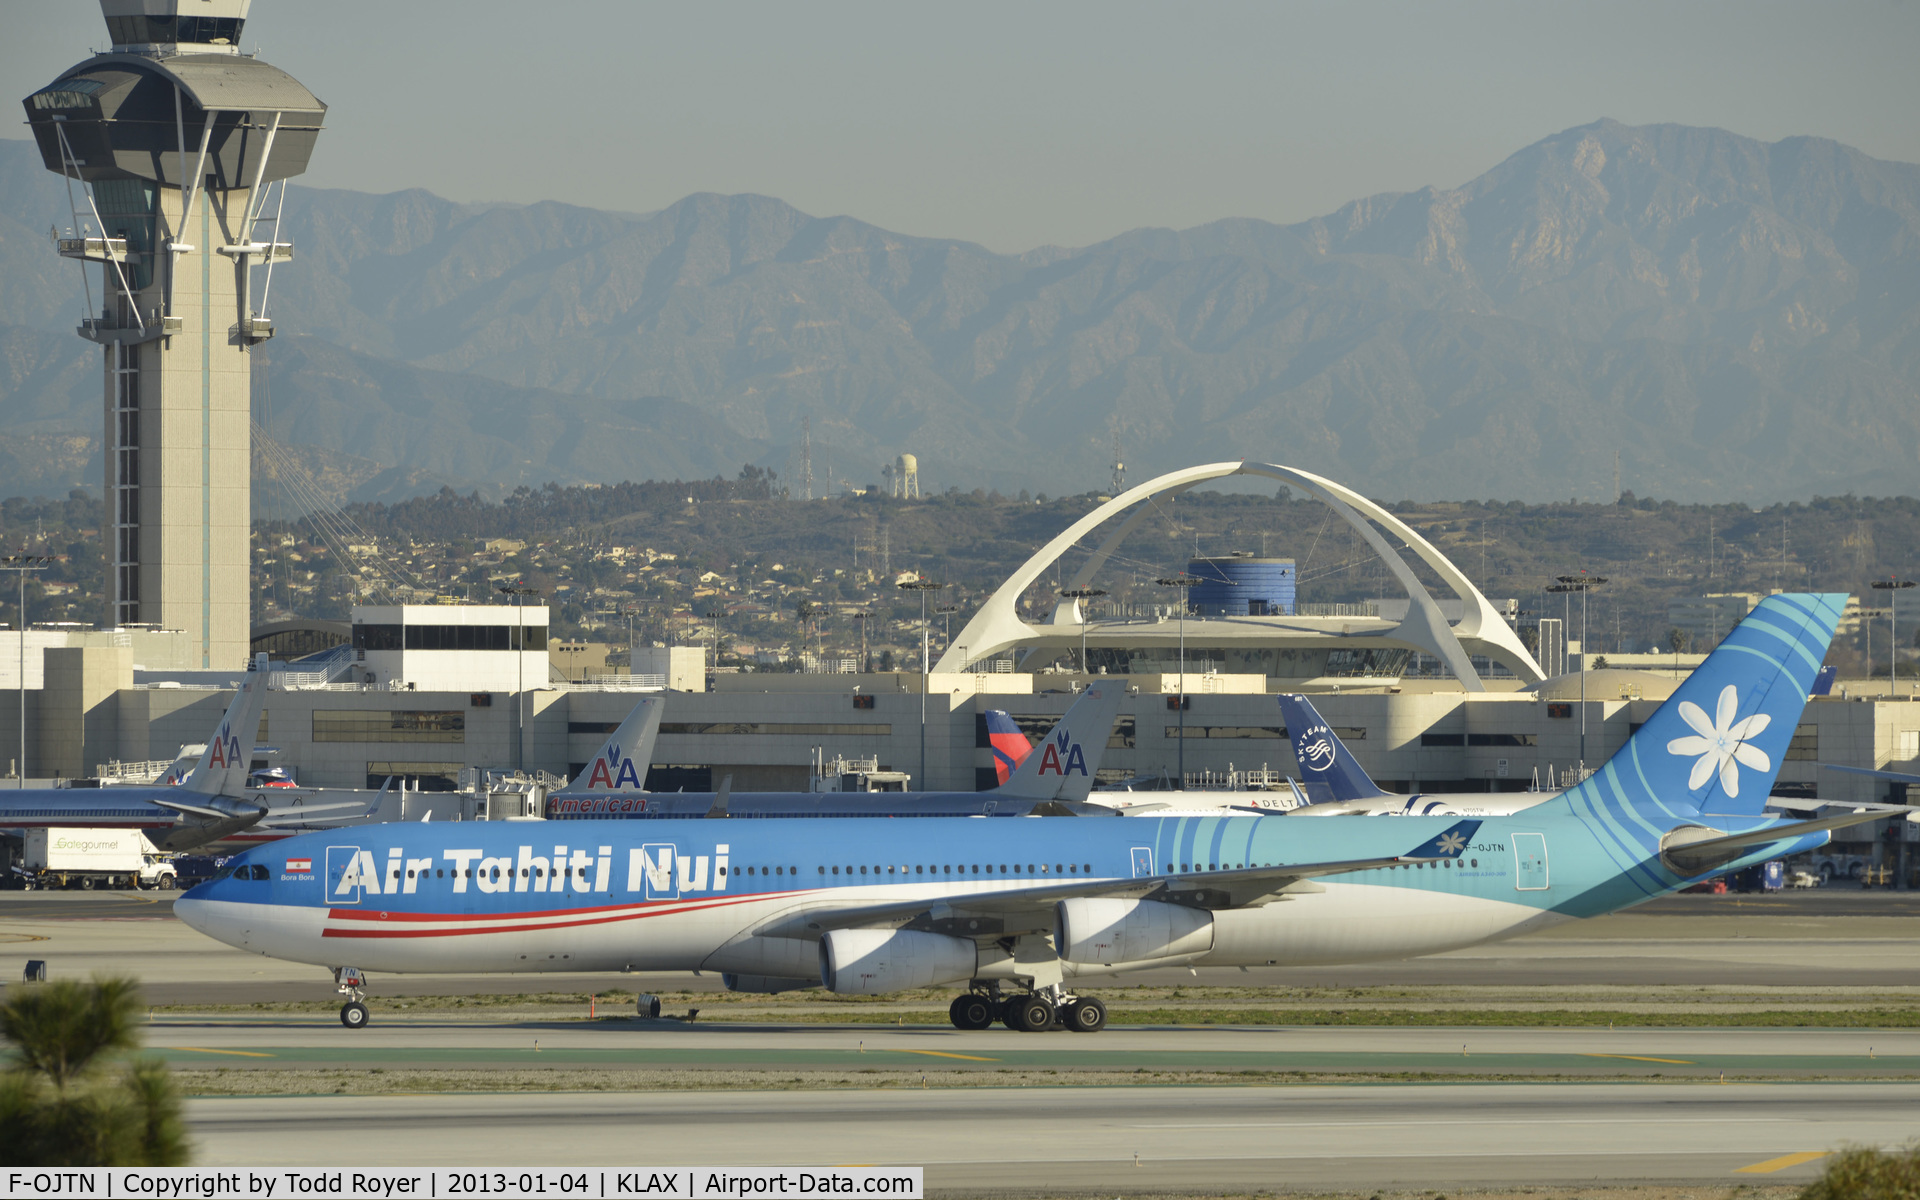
{"points": [[870, 962], [1090, 929]]}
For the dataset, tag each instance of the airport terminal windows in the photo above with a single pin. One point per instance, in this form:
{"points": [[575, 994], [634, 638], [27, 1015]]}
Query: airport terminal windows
{"points": [[771, 728], [447, 637], [1503, 740], [1229, 731], [1805, 746], [396, 725]]}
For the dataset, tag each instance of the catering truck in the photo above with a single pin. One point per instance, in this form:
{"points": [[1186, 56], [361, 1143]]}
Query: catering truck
{"points": [[90, 858]]}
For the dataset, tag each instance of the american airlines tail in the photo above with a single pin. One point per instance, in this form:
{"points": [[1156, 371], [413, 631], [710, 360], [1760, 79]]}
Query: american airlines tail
{"points": [[222, 769], [1062, 766], [1324, 760], [621, 764]]}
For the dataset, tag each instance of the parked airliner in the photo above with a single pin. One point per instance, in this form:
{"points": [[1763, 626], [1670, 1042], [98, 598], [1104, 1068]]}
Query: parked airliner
{"points": [[1019, 913]]}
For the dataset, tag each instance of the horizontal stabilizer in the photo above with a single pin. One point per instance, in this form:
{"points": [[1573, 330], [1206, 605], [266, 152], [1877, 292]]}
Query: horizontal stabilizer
{"points": [[1697, 858], [1894, 776]]}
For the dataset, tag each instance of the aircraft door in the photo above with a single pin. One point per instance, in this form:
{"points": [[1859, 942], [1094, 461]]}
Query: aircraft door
{"points": [[1530, 862], [343, 875], [1142, 861]]}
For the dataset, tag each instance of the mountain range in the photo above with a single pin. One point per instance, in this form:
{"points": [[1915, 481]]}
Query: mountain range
{"points": [[1732, 319]]}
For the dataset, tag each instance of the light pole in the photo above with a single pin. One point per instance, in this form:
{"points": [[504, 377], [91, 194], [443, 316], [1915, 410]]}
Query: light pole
{"points": [[866, 667], [21, 564], [1893, 586], [923, 586], [519, 589], [1183, 581], [946, 612], [713, 635], [1077, 595], [1582, 583]]}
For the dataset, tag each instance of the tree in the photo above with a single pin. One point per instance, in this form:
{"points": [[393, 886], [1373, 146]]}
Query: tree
{"points": [[70, 1098]]}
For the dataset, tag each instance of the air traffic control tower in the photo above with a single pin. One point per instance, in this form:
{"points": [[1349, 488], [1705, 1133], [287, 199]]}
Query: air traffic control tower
{"points": [[170, 144]]}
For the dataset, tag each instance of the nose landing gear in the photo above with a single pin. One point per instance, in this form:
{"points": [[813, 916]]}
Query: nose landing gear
{"points": [[349, 982]]}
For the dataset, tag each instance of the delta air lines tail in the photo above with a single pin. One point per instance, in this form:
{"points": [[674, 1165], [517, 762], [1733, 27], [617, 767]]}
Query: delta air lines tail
{"points": [[1010, 747]]}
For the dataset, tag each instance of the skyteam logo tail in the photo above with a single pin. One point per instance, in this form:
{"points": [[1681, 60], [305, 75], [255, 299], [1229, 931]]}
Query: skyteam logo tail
{"points": [[1716, 746], [1324, 759], [620, 765], [1062, 766], [1010, 747]]}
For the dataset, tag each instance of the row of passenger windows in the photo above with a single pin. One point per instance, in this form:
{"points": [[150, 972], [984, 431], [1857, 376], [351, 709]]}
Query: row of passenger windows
{"points": [[260, 872], [962, 869]]}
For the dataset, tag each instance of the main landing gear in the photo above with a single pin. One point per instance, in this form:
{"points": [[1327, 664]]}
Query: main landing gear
{"points": [[349, 982], [1031, 1012]]}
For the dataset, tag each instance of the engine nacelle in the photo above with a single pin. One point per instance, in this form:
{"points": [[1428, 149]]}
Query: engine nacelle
{"points": [[871, 962], [765, 984], [1091, 929]]}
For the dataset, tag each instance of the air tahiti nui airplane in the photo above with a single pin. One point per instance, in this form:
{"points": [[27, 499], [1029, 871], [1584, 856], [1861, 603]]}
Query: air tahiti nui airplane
{"points": [[1020, 913]]}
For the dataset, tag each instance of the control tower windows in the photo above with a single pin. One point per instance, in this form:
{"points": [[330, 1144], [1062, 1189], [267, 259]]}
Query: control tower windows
{"points": [[151, 29]]}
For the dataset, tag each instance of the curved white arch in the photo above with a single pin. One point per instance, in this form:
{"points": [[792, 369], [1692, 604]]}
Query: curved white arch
{"points": [[998, 626]]}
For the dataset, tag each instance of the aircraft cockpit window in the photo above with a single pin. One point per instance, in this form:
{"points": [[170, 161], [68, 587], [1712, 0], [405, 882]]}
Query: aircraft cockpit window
{"points": [[260, 872]]}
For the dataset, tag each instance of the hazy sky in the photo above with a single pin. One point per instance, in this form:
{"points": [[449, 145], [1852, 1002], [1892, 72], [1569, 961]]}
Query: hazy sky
{"points": [[1022, 124]]}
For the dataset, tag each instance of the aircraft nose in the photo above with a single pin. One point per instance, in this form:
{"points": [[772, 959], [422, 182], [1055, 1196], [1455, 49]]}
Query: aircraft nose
{"points": [[193, 913]]}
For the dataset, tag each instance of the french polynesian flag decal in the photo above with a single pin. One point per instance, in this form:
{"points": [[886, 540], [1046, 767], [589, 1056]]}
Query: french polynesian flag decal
{"points": [[296, 866]]}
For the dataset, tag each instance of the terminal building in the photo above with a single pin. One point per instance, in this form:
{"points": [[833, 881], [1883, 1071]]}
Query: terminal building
{"points": [[429, 693]]}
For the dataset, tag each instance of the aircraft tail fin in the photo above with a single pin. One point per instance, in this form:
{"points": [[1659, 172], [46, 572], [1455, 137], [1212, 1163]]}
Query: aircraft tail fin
{"points": [[223, 766], [1062, 766], [620, 765], [1716, 746], [1324, 758], [1010, 746]]}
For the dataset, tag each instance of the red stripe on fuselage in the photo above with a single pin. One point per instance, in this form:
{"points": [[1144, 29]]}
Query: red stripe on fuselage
{"points": [[529, 922]]}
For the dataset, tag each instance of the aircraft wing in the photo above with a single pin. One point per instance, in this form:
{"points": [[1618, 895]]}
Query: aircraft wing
{"points": [[1030, 909]]}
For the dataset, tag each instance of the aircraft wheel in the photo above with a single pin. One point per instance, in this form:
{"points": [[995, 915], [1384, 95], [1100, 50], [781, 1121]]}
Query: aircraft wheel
{"points": [[1029, 1014], [1086, 1015], [970, 1012], [354, 1015], [86, 885]]}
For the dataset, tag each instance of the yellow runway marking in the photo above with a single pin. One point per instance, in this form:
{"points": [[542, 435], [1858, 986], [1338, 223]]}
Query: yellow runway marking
{"points": [[240, 1053], [944, 1054], [1780, 1164], [1685, 1062]]}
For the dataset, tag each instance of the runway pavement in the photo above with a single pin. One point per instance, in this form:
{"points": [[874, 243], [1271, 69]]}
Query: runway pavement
{"points": [[279, 1043], [1107, 1140]]}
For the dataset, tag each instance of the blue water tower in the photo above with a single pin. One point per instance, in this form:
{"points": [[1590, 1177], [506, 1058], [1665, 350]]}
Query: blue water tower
{"points": [[1240, 585]]}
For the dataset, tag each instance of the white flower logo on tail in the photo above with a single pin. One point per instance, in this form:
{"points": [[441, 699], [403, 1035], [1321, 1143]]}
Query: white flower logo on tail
{"points": [[1722, 742]]}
